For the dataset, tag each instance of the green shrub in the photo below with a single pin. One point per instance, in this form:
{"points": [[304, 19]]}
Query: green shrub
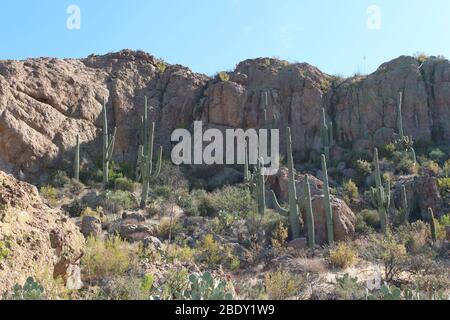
{"points": [[364, 167], [115, 201], [437, 155], [223, 76], [445, 220], [343, 256], [444, 185], [165, 192], [168, 227], [124, 184], [110, 257], [175, 284], [129, 288], [50, 194], [214, 254], [281, 285], [59, 179], [175, 253], [350, 191], [234, 200], [4, 251], [371, 218], [406, 166]]}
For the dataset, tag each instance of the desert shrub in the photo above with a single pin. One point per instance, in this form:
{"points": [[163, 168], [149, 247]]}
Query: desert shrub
{"points": [[175, 253], [109, 257], [203, 204], [350, 191], [75, 208], [175, 284], [116, 201], [364, 167], [59, 179], [50, 194], [430, 167], [437, 155], [281, 285], [279, 236], [421, 57], [223, 76], [444, 185], [91, 212], [169, 227], [348, 288], [214, 254], [406, 166], [445, 220], [129, 288], [163, 191], [371, 218], [414, 236], [234, 200], [124, 184], [387, 151], [387, 251], [343, 256], [223, 222], [4, 251]]}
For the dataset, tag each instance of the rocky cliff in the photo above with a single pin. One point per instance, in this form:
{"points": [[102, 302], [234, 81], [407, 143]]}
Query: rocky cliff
{"points": [[45, 103]]}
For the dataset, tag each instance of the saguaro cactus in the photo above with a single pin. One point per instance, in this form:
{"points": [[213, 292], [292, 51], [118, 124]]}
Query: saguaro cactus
{"points": [[326, 133], [309, 215], [76, 164], [256, 182], [381, 198], [432, 225], [405, 208], [293, 211], [327, 202], [147, 172], [108, 146], [405, 143]]}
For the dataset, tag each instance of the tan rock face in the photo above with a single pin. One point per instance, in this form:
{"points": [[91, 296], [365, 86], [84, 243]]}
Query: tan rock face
{"points": [[40, 241], [45, 103]]}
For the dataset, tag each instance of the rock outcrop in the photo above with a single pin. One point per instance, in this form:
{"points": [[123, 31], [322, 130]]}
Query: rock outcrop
{"points": [[45, 103], [40, 241]]}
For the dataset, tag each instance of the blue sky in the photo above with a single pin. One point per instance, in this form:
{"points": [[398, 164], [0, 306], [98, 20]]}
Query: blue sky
{"points": [[214, 35]]}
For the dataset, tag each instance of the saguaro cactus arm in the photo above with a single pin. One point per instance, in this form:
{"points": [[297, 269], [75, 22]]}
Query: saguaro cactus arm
{"points": [[282, 211], [432, 225], [309, 215]]}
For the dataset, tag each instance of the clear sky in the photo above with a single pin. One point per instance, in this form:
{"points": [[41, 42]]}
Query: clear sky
{"points": [[214, 35]]}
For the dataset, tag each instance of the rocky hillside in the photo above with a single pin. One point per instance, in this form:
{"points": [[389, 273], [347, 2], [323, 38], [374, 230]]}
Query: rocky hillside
{"points": [[45, 103], [35, 239]]}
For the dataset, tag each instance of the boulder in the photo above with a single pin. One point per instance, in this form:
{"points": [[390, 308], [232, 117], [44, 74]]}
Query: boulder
{"points": [[344, 220], [422, 193], [135, 232], [91, 226]]}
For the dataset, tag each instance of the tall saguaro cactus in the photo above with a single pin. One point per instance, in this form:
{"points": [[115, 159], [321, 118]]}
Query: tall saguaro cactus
{"points": [[405, 143], [108, 146], [76, 174], [309, 215], [327, 202], [148, 172], [256, 181], [326, 133], [293, 211], [405, 208], [381, 198]]}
